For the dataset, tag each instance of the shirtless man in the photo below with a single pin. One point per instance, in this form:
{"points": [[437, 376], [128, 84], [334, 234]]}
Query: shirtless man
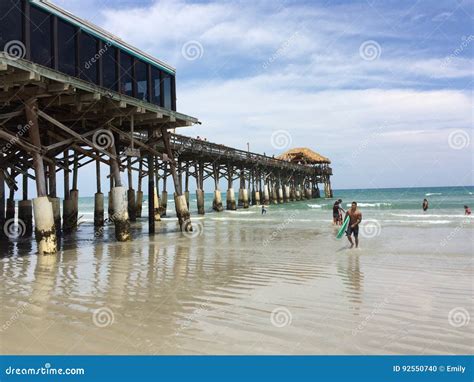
{"points": [[355, 217]]}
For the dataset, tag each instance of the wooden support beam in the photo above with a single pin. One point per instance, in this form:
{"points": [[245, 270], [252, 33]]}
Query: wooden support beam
{"points": [[31, 110], [73, 133]]}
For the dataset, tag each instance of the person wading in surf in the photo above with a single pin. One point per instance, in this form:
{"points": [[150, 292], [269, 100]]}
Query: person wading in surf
{"points": [[425, 204], [355, 217], [337, 212]]}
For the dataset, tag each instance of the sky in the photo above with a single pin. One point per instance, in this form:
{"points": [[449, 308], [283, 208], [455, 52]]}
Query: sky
{"points": [[382, 88]]}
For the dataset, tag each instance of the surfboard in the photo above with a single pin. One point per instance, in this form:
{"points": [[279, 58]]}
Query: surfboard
{"points": [[343, 228]]}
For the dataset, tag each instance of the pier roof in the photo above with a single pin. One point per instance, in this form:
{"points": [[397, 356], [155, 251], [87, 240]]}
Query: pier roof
{"points": [[304, 155]]}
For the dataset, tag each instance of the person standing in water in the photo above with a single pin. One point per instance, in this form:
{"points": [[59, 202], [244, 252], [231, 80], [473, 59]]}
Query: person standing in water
{"points": [[337, 212], [425, 204], [264, 211], [355, 217], [467, 210]]}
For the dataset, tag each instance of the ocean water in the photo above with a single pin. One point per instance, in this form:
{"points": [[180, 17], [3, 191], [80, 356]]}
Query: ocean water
{"points": [[246, 283]]}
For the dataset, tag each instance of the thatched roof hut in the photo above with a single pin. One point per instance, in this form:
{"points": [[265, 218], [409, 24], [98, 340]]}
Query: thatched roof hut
{"points": [[303, 155]]}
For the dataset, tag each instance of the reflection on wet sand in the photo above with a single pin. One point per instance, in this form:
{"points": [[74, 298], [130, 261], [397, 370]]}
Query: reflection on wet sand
{"points": [[213, 293]]}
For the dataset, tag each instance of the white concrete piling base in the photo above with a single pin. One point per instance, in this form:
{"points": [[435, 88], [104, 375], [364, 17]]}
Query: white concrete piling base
{"points": [[274, 195], [164, 203], [98, 209], [286, 194], [280, 195], [217, 202], [257, 198], [184, 218], [25, 214], [139, 203], [69, 218], [45, 231], [56, 203], [120, 216], [156, 203], [245, 197], [266, 195], [200, 201], [230, 200]]}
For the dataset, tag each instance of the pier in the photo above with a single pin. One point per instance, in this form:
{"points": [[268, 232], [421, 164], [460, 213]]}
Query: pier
{"points": [[56, 119]]}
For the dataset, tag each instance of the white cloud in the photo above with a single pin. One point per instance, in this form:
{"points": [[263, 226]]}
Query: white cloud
{"points": [[269, 66], [395, 122]]}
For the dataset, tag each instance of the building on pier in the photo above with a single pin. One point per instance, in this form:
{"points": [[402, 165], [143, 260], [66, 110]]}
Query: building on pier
{"points": [[308, 157], [46, 34]]}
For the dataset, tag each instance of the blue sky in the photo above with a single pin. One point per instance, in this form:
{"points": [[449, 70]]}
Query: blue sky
{"points": [[383, 88]]}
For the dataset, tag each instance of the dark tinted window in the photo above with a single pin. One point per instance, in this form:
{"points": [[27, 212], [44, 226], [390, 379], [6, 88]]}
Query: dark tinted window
{"points": [[166, 78], [155, 86], [41, 44], [67, 48], [126, 74], [173, 93], [89, 57], [141, 74], [109, 67], [11, 27]]}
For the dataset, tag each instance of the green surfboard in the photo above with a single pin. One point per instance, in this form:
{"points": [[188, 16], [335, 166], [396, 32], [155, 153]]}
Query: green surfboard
{"points": [[343, 228]]}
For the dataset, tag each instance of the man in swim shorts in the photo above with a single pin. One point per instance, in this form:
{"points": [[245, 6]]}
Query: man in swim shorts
{"points": [[355, 217]]}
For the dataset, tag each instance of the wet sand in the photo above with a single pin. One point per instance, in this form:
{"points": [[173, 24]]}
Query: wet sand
{"points": [[242, 284]]}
